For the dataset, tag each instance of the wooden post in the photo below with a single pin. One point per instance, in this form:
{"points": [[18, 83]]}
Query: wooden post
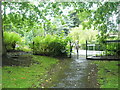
{"points": [[70, 49], [86, 49], [77, 53], [33, 48]]}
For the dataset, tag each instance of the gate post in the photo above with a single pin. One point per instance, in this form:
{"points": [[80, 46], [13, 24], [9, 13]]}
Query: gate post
{"points": [[86, 49], [70, 48]]}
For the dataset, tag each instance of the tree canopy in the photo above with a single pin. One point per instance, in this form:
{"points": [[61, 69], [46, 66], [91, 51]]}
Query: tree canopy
{"points": [[54, 17]]}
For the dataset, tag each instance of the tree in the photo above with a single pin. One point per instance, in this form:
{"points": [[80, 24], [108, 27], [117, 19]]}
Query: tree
{"points": [[2, 47], [81, 35], [0, 31], [101, 19], [53, 17]]}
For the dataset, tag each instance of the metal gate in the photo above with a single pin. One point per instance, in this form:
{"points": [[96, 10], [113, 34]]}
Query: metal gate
{"points": [[107, 50]]}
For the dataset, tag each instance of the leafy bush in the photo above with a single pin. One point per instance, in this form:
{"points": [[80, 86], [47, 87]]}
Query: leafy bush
{"points": [[113, 49], [11, 39], [51, 45], [24, 48]]}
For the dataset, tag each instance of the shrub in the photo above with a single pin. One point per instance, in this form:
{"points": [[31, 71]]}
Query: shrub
{"points": [[51, 45], [11, 39], [113, 49]]}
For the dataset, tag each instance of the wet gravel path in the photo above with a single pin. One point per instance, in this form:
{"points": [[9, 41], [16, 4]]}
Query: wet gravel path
{"points": [[78, 74]]}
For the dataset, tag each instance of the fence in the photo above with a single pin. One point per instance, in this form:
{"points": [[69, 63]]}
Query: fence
{"points": [[107, 50]]}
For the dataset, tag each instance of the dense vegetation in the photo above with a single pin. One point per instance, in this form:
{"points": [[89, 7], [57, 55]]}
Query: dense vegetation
{"points": [[50, 45], [30, 20], [48, 28], [11, 39]]}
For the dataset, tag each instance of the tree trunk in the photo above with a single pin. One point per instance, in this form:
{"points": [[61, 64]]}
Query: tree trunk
{"points": [[0, 41], [2, 46]]}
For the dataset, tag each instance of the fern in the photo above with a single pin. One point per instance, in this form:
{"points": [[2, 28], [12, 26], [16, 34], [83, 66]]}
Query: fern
{"points": [[11, 39]]}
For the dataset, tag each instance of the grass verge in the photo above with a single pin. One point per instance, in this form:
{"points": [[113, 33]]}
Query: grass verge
{"points": [[108, 73], [27, 77]]}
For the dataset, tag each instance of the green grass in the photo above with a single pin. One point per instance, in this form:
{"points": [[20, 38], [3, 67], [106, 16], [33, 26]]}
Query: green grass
{"points": [[27, 77], [107, 74]]}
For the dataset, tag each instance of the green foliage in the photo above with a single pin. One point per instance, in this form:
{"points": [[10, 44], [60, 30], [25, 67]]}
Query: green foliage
{"points": [[23, 47], [51, 45], [101, 19], [113, 49], [78, 33], [38, 19], [11, 39], [49, 17]]}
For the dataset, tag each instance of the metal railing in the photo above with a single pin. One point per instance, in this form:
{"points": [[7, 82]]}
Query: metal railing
{"points": [[108, 50]]}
